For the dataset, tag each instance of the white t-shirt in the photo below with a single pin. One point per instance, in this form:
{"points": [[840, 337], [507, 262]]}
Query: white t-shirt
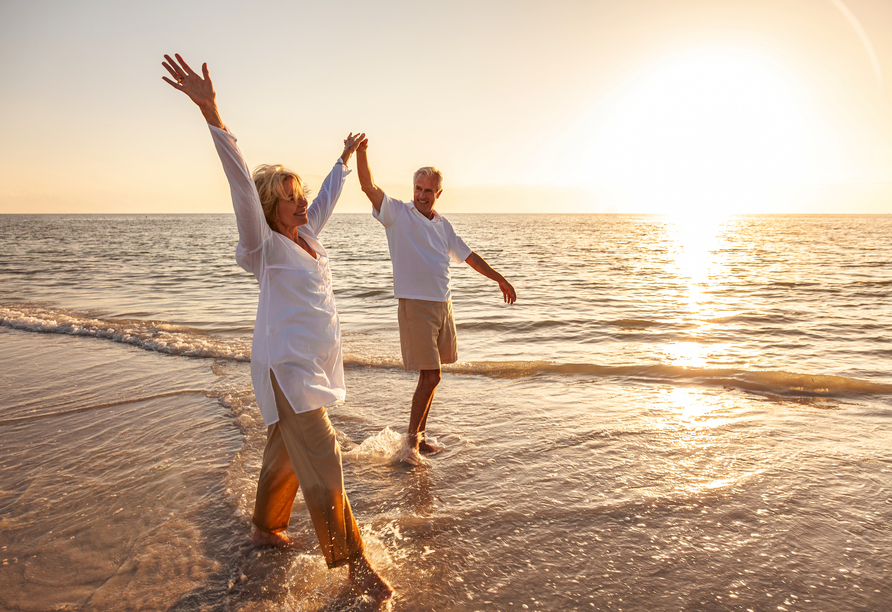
{"points": [[420, 250], [297, 333]]}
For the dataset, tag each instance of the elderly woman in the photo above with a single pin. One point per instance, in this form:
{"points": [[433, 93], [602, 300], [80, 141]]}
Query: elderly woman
{"points": [[296, 362]]}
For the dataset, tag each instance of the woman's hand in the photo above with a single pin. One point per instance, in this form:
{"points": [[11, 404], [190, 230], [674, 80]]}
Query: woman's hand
{"points": [[351, 143], [200, 90]]}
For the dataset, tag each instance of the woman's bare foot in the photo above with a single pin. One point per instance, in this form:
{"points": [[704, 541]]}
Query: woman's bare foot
{"points": [[368, 582], [277, 539]]}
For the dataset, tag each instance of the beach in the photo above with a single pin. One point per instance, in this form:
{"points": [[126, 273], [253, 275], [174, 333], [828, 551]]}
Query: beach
{"points": [[668, 419]]}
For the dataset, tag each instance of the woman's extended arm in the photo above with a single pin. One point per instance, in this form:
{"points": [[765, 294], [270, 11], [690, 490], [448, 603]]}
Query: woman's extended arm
{"points": [[324, 203], [200, 90], [252, 226]]}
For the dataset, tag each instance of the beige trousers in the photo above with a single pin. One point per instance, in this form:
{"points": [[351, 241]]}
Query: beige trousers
{"points": [[302, 450]]}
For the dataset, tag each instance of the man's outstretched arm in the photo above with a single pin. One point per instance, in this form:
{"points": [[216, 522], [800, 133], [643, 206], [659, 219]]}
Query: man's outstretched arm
{"points": [[374, 193], [478, 263]]}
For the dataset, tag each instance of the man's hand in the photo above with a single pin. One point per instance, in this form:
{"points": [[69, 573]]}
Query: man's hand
{"points": [[478, 263], [507, 291]]}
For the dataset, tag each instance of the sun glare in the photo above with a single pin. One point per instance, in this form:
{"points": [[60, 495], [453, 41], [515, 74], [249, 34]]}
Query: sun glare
{"points": [[706, 132], [696, 244]]}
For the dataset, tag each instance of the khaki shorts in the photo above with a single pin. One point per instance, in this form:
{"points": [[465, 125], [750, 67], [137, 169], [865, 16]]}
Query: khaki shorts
{"points": [[427, 334]]}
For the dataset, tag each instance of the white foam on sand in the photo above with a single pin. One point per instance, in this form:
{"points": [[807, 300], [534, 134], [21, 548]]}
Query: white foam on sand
{"points": [[149, 335]]}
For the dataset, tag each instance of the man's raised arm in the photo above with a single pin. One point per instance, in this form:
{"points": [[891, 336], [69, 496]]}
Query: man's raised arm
{"points": [[374, 193], [478, 263]]}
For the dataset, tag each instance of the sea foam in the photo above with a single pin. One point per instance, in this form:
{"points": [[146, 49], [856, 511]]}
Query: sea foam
{"points": [[153, 336], [168, 338]]}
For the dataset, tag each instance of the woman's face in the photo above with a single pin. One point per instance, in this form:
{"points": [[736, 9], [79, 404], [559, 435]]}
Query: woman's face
{"points": [[292, 210]]}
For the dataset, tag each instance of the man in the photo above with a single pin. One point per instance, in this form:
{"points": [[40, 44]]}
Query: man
{"points": [[421, 244]]}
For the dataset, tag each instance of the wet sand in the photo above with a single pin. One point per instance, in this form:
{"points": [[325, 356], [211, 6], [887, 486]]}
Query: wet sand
{"points": [[112, 475], [128, 476]]}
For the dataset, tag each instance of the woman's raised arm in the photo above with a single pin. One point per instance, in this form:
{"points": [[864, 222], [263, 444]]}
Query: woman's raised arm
{"points": [[324, 202], [252, 226], [200, 90]]}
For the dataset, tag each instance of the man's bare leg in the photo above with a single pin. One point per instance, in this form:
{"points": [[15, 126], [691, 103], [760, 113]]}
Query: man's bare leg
{"points": [[367, 581], [421, 405], [423, 444]]}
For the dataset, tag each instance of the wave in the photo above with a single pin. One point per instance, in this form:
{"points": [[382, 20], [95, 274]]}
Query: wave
{"points": [[149, 335], [775, 383], [179, 340]]}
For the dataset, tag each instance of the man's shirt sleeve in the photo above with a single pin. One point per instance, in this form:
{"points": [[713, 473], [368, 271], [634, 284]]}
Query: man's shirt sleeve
{"points": [[458, 250], [390, 210]]}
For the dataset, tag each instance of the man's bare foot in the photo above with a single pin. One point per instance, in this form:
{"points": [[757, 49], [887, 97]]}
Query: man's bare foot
{"points": [[429, 447], [409, 454], [277, 539], [368, 582]]}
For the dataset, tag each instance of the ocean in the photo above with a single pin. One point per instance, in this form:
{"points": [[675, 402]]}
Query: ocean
{"points": [[677, 414]]}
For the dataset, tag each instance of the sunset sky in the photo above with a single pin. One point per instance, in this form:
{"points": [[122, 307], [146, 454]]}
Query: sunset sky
{"points": [[651, 106]]}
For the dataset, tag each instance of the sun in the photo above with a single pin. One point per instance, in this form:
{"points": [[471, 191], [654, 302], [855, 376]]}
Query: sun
{"points": [[709, 131]]}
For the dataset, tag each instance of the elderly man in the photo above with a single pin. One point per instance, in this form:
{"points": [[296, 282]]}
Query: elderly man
{"points": [[421, 244]]}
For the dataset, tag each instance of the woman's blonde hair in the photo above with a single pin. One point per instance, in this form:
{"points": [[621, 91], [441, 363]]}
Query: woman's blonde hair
{"points": [[271, 181]]}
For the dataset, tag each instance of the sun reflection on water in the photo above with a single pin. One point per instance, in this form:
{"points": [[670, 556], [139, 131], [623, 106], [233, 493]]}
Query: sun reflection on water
{"points": [[692, 411], [699, 433], [688, 354], [694, 236], [696, 246], [695, 241], [696, 354], [697, 420]]}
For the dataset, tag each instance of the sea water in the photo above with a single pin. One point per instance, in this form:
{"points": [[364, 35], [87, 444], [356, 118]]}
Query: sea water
{"points": [[677, 414]]}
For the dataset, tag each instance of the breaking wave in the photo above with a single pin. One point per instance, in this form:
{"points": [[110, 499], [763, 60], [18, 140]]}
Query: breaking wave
{"points": [[174, 339], [149, 335]]}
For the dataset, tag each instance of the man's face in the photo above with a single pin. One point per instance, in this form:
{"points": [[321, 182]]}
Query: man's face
{"points": [[426, 193]]}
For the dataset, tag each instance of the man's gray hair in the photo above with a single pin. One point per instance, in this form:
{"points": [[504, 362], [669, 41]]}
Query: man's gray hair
{"points": [[427, 172]]}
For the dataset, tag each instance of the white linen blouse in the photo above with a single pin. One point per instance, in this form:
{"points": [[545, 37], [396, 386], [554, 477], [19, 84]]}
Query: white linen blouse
{"points": [[297, 333]]}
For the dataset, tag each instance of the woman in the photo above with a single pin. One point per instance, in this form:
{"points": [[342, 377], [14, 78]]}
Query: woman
{"points": [[296, 362]]}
